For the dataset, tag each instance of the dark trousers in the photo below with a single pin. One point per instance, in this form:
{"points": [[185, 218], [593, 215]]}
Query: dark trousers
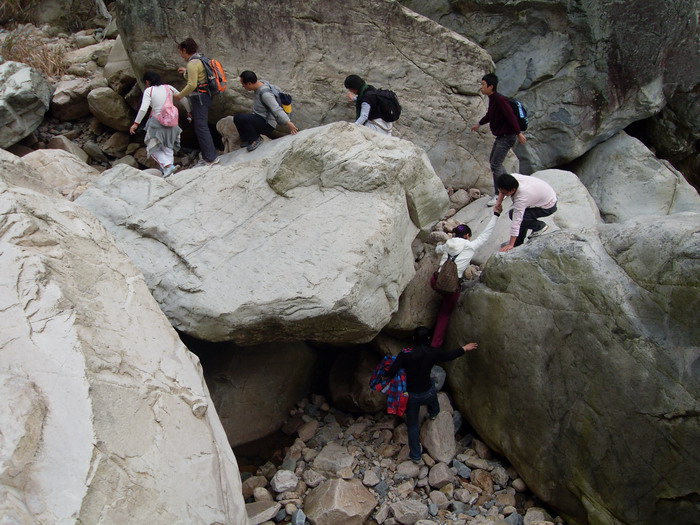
{"points": [[530, 221], [447, 305], [201, 102], [415, 401], [250, 126], [500, 149]]}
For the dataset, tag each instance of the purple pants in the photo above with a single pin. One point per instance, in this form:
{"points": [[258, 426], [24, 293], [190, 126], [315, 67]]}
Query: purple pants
{"points": [[447, 305]]}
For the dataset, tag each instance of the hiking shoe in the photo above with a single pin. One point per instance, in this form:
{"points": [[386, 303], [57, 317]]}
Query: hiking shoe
{"points": [[492, 202], [245, 144], [539, 232], [416, 461], [254, 145], [169, 171]]}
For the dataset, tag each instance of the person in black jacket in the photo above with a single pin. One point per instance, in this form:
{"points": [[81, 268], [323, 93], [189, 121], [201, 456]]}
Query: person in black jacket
{"points": [[366, 106], [417, 364]]}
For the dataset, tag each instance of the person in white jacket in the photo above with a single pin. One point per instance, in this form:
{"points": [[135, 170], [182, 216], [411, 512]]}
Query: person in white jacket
{"points": [[464, 248]]}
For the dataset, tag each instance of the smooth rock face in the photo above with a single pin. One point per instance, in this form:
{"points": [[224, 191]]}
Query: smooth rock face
{"points": [[592, 369], [338, 501], [434, 71], [581, 67], [309, 236], [626, 180], [104, 412], [252, 404], [24, 99], [62, 171]]}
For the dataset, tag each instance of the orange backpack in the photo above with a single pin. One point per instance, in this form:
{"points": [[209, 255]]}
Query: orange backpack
{"points": [[216, 76]]}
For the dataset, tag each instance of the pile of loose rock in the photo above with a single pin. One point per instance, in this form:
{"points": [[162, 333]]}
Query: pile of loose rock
{"points": [[355, 470]]}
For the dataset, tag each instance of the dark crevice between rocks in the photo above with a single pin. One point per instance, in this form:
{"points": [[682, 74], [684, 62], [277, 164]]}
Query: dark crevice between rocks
{"points": [[378, 443]]}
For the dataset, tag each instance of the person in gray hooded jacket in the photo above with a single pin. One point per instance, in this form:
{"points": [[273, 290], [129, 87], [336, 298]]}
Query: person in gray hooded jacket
{"points": [[461, 246]]}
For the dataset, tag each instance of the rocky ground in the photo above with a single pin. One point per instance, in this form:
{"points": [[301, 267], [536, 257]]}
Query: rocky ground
{"points": [[355, 469]]}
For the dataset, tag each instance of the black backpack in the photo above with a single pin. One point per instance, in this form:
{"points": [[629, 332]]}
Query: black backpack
{"points": [[520, 113], [447, 281], [388, 104]]}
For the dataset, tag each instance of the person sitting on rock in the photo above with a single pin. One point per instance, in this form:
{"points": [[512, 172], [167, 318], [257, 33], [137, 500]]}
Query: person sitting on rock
{"points": [[267, 113], [161, 141], [463, 248], [197, 89], [366, 107], [532, 198], [417, 363]]}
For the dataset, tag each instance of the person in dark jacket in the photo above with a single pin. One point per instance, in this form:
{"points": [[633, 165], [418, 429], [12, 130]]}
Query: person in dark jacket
{"points": [[366, 106], [504, 125], [417, 363]]}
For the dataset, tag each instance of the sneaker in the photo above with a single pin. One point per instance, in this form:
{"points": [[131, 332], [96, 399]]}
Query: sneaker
{"points": [[215, 161], [254, 145], [492, 202], [169, 171], [416, 461], [245, 144], [539, 232]]}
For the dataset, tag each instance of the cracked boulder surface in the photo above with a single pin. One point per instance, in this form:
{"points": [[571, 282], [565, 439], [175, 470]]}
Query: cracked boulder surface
{"points": [[306, 238], [587, 376], [103, 410], [435, 72]]}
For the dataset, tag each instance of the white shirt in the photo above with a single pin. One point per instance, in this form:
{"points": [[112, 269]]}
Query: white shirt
{"points": [[465, 248]]}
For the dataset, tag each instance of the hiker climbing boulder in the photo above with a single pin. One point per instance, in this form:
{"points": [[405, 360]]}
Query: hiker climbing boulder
{"points": [[627, 180], [434, 71], [307, 238], [581, 69], [590, 377], [103, 410], [24, 100]]}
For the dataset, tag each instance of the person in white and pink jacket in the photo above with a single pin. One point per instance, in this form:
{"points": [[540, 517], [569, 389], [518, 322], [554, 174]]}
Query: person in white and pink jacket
{"points": [[161, 141]]}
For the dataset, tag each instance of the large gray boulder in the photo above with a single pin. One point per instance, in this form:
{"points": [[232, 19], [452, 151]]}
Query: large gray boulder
{"points": [[584, 69], [626, 180], [110, 109], [588, 368], [103, 410], [118, 70], [434, 71], [307, 238], [254, 388], [24, 99]]}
